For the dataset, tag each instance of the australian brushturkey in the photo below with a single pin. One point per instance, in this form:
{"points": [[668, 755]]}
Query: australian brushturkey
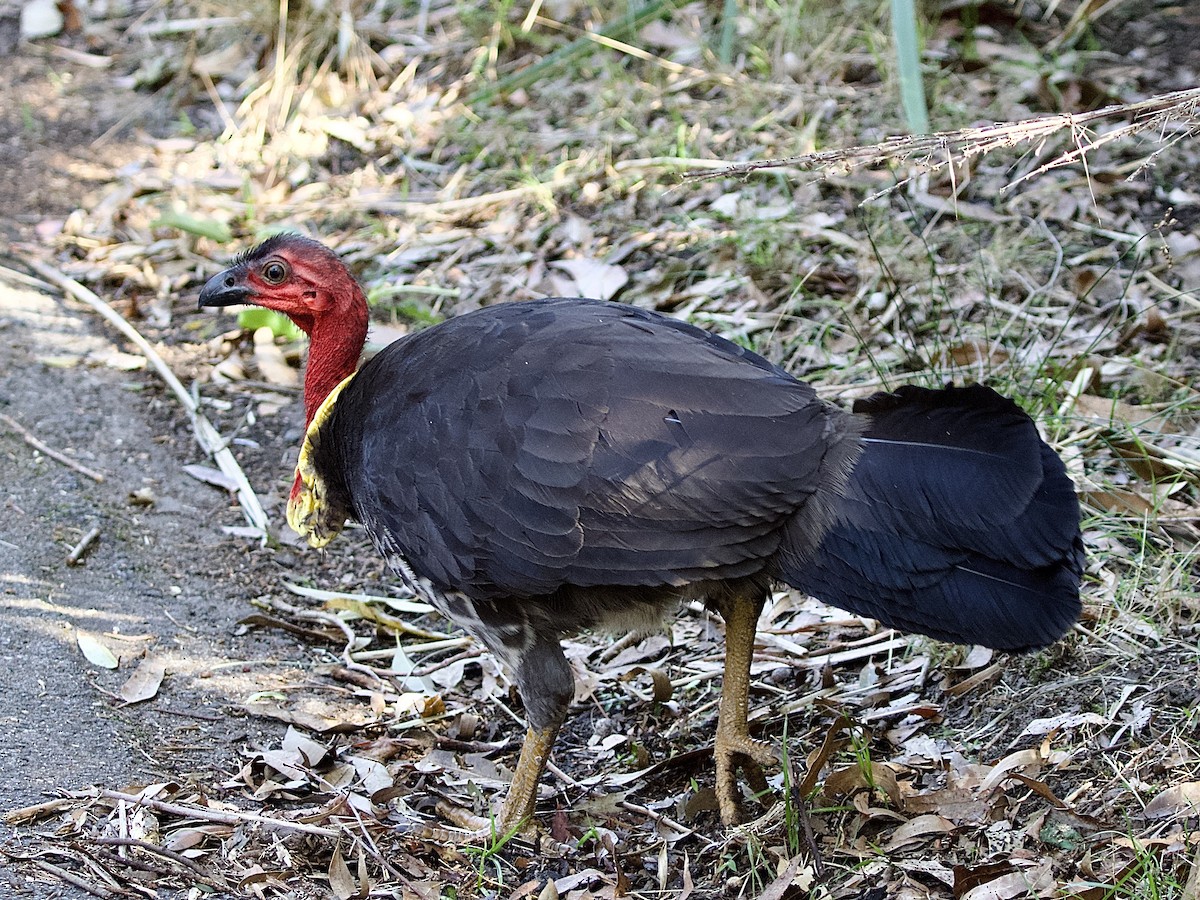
{"points": [[534, 468]]}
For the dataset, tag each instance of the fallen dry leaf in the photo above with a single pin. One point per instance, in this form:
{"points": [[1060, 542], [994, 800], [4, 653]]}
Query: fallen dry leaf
{"points": [[341, 882], [923, 828], [593, 278], [212, 476], [95, 651], [145, 681], [269, 358], [1180, 800]]}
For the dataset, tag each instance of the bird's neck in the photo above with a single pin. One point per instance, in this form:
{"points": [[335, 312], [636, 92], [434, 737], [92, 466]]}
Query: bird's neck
{"points": [[334, 345], [333, 352]]}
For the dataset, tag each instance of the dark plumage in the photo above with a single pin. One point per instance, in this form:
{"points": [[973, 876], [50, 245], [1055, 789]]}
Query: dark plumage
{"points": [[539, 467]]}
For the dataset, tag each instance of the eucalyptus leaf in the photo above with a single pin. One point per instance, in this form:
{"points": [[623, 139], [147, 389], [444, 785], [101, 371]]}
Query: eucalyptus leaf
{"points": [[96, 652], [209, 228], [255, 317]]}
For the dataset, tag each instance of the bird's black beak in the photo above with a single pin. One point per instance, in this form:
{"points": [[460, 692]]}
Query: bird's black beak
{"points": [[224, 289]]}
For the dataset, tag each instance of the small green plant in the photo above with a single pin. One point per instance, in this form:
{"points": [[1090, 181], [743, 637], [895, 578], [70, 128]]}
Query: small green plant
{"points": [[408, 308], [488, 856], [860, 745], [793, 815], [1147, 878]]}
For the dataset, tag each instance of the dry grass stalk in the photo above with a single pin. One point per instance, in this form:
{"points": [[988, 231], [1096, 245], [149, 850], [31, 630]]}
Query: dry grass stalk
{"points": [[935, 152]]}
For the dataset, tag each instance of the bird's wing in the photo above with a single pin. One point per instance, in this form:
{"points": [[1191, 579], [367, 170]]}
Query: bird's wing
{"points": [[530, 446]]}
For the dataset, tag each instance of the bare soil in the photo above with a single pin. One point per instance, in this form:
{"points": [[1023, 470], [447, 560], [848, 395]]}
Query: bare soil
{"points": [[162, 579]]}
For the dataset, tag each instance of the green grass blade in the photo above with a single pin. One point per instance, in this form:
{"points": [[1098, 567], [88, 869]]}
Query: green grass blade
{"points": [[908, 58], [728, 30]]}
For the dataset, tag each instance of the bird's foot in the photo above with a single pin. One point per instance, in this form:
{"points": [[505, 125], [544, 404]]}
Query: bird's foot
{"points": [[516, 816], [740, 751]]}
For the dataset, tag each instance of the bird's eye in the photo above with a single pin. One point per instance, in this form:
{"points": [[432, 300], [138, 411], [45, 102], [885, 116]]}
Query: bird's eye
{"points": [[275, 272]]}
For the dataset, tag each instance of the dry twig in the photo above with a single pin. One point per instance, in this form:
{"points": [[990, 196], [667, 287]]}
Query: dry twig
{"points": [[33, 442], [204, 814], [156, 850], [71, 878], [75, 557], [27, 814]]}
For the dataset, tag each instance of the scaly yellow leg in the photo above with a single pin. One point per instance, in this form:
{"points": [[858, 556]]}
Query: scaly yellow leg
{"points": [[734, 747], [517, 812], [522, 794]]}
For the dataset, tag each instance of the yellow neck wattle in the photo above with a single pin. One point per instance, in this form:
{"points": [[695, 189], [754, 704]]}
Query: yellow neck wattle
{"points": [[307, 511]]}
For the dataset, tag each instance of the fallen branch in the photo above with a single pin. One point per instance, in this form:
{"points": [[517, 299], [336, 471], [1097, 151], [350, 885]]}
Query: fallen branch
{"points": [[71, 878], [204, 814], [412, 606], [207, 436], [156, 850], [316, 615], [27, 814], [32, 441]]}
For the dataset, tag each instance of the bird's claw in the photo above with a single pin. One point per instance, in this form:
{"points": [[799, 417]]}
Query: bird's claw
{"points": [[740, 751]]}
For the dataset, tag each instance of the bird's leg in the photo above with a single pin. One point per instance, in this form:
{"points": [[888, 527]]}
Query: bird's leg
{"points": [[517, 812], [522, 793], [734, 747], [544, 680], [547, 686]]}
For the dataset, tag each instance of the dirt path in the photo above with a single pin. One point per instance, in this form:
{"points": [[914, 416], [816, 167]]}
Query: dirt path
{"points": [[161, 577]]}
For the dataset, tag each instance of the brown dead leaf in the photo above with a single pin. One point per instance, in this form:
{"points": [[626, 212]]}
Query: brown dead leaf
{"points": [[958, 805], [1117, 500], [183, 839], [982, 677], [920, 830], [1145, 460], [1110, 411], [1032, 758], [1019, 883], [423, 705], [1177, 801], [341, 882], [798, 874], [286, 764], [145, 681], [663, 690], [853, 779], [269, 358], [314, 715], [308, 752], [967, 878], [976, 353]]}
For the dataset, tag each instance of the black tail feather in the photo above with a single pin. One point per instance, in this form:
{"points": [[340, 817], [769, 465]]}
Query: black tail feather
{"points": [[958, 522]]}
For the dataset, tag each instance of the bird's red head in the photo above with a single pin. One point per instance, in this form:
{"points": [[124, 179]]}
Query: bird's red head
{"points": [[307, 282], [292, 274]]}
